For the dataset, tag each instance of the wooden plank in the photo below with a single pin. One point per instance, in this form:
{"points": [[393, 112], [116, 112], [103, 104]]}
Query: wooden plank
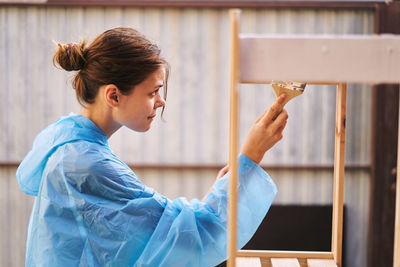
{"points": [[248, 262], [202, 167], [320, 263], [282, 262], [329, 58], [285, 254], [308, 83], [233, 136], [366, 4], [338, 183], [396, 252]]}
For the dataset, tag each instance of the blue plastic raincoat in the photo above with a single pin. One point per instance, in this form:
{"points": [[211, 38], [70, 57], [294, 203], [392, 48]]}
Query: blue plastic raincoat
{"points": [[91, 209]]}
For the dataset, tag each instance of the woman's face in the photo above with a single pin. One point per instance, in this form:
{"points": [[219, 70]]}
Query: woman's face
{"points": [[138, 109]]}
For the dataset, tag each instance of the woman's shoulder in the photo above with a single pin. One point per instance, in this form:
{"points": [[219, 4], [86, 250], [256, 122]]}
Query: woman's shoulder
{"points": [[93, 167], [91, 156], [84, 152]]}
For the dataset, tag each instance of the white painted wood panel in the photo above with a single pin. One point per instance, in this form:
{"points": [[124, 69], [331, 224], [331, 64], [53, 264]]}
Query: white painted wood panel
{"points": [[330, 58]]}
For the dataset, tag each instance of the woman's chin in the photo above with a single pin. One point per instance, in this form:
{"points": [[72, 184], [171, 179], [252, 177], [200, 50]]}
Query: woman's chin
{"points": [[141, 128]]}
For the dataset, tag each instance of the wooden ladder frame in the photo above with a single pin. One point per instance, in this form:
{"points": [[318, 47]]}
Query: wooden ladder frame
{"points": [[316, 51]]}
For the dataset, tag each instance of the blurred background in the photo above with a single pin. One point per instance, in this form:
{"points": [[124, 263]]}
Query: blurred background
{"points": [[181, 156]]}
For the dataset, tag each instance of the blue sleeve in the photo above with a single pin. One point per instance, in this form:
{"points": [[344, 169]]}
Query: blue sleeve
{"points": [[107, 217], [195, 233]]}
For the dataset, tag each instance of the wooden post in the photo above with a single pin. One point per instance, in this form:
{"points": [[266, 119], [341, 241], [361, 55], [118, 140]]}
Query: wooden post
{"points": [[233, 137], [338, 183], [396, 252]]}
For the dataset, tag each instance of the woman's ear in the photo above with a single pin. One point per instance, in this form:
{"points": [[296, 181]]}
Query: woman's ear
{"points": [[112, 95]]}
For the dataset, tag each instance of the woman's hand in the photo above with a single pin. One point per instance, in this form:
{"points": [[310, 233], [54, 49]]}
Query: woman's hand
{"points": [[222, 172], [264, 134], [266, 131]]}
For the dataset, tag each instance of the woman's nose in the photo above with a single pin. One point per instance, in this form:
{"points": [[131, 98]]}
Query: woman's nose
{"points": [[160, 102]]}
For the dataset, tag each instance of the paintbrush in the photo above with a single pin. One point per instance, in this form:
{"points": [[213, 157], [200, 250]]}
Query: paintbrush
{"points": [[291, 89]]}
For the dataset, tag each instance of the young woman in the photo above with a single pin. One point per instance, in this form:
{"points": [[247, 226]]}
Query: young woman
{"points": [[91, 209]]}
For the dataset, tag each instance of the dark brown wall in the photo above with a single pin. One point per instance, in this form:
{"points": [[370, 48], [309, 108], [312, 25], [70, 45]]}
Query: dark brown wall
{"points": [[385, 103]]}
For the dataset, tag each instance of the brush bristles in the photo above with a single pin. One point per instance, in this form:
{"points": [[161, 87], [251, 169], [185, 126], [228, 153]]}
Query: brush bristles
{"points": [[297, 86]]}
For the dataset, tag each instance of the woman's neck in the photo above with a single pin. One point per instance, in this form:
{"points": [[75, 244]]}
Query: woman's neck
{"points": [[102, 117]]}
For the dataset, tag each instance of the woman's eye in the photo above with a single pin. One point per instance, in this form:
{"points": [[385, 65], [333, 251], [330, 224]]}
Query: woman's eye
{"points": [[154, 93]]}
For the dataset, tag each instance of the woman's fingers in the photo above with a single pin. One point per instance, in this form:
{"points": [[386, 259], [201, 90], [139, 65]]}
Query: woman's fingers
{"points": [[222, 172], [280, 121], [279, 132], [275, 109], [266, 131]]}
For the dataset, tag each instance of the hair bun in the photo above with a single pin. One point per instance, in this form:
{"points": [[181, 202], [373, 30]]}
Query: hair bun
{"points": [[70, 56]]}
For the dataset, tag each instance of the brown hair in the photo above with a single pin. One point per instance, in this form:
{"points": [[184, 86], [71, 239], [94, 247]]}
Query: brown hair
{"points": [[120, 56]]}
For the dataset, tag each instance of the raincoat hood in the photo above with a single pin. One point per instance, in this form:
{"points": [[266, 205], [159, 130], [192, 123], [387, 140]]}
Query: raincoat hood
{"points": [[65, 130]]}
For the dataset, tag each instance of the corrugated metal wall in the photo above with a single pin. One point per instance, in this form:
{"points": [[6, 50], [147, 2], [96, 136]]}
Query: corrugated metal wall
{"points": [[195, 41]]}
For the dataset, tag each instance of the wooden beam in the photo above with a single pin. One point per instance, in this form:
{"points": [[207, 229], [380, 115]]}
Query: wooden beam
{"points": [[202, 3], [280, 57], [338, 182], [285, 254], [215, 167], [282, 262], [320, 263], [234, 16], [248, 262], [308, 83]]}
